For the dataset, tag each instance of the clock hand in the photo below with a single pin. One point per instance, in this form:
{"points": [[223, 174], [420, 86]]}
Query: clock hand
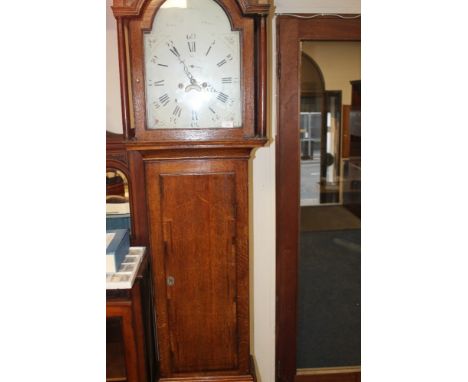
{"points": [[193, 81], [176, 53]]}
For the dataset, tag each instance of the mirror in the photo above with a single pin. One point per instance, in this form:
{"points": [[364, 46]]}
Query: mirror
{"points": [[117, 200], [328, 317], [320, 135]]}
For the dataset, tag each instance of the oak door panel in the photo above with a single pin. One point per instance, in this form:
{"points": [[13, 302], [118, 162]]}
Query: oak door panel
{"points": [[197, 211], [199, 233]]}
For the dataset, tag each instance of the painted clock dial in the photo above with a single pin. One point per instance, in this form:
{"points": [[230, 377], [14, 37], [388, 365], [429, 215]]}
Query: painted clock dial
{"points": [[192, 68]]}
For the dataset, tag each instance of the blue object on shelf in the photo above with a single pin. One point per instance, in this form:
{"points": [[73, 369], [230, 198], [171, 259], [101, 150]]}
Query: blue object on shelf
{"points": [[118, 221], [117, 249]]}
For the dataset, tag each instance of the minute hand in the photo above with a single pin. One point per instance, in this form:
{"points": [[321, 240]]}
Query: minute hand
{"points": [[193, 82], [173, 49]]}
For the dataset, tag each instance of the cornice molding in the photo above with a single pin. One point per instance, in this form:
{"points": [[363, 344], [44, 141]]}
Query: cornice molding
{"points": [[127, 8], [250, 7], [132, 8]]}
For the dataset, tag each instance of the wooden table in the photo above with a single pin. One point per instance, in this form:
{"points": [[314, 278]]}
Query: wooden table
{"points": [[130, 354]]}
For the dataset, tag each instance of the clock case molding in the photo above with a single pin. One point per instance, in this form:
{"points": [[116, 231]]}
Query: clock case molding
{"points": [[171, 164]]}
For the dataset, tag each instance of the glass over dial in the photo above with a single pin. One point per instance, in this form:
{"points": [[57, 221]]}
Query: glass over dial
{"points": [[192, 68]]}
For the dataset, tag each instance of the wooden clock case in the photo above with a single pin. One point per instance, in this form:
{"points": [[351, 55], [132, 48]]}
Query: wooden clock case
{"points": [[189, 203]]}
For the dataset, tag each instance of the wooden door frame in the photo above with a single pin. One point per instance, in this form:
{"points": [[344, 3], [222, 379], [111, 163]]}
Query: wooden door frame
{"points": [[290, 32]]}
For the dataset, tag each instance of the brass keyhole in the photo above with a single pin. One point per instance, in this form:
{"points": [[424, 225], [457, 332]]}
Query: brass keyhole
{"points": [[170, 281]]}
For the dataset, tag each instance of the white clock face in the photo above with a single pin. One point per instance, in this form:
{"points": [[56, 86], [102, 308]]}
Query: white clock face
{"points": [[192, 68]]}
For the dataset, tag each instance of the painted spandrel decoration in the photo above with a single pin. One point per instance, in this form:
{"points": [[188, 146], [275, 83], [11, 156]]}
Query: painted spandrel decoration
{"points": [[192, 68]]}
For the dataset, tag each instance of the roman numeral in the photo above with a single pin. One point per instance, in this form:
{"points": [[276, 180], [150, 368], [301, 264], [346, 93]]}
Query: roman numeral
{"points": [[157, 83], [222, 97], [214, 117], [191, 46], [209, 48], [194, 122], [177, 111], [164, 99], [174, 51], [226, 80], [223, 61], [162, 65], [156, 105]]}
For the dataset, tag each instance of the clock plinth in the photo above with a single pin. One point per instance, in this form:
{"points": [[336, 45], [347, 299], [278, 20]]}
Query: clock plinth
{"points": [[240, 378], [194, 107], [249, 377]]}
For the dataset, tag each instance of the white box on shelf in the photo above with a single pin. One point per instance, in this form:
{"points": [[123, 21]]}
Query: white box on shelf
{"points": [[125, 276]]}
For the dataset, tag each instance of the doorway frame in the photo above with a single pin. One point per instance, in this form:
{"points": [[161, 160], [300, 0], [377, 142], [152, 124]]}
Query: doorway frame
{"points": [[290, 32]]}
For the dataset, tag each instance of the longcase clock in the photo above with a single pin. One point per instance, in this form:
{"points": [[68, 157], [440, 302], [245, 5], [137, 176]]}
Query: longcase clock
{"points": [[193, 85]]}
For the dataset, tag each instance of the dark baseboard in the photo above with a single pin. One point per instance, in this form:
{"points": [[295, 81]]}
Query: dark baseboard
{"points": [[329, 375]]}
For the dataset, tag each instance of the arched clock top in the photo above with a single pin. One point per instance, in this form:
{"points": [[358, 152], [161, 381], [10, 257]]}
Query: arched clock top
{"points": [[192, 70], [132, 8], [229, 9]]}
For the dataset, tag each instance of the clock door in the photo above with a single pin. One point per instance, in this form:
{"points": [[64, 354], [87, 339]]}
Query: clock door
{"points": [[191, 75], [201, 245], [199, 238]]}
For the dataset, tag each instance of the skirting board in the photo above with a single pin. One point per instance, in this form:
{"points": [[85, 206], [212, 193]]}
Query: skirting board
{"points": [[236, 378], [329, 374]]}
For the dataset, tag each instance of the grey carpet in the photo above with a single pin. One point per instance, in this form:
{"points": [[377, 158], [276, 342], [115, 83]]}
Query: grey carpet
{"points": [[329, 313]]}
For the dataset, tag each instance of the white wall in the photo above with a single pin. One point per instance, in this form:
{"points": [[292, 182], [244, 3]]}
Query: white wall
{"points": [[262, 185], [113, 109]]}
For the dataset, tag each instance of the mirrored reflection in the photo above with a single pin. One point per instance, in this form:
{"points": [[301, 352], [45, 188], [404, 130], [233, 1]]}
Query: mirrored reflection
{"points": [[330, 202], [117, 200]]}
